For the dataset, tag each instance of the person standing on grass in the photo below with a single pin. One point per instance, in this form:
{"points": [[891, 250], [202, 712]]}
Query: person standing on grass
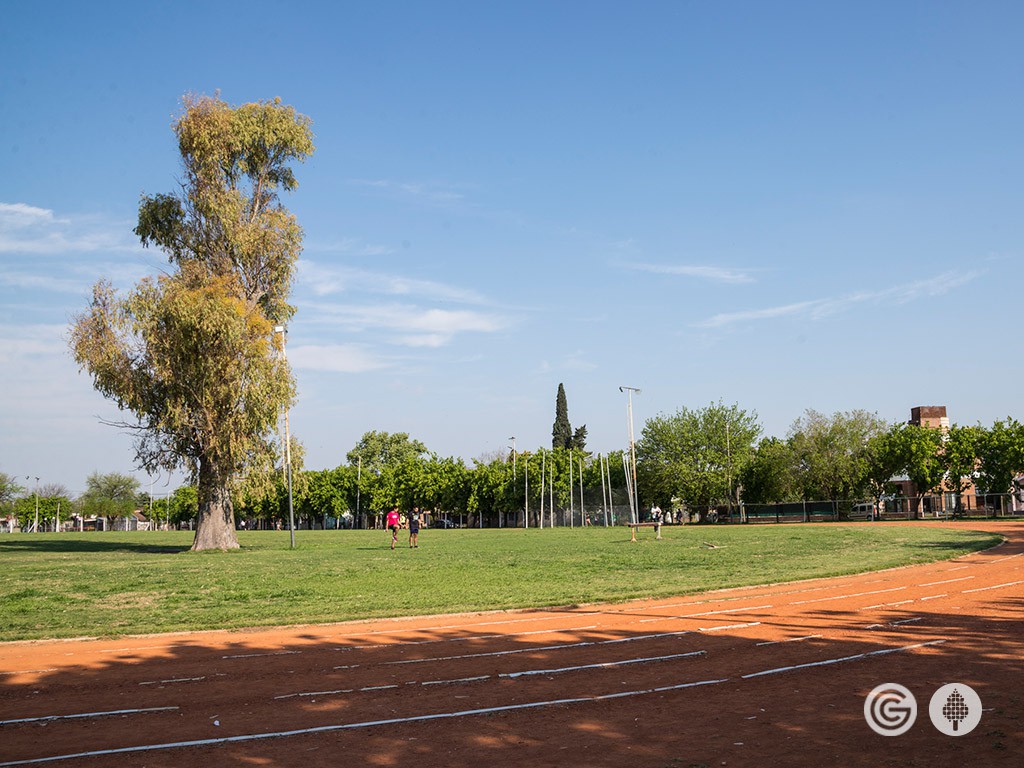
{"points": [[394, 520], [414, 527]]}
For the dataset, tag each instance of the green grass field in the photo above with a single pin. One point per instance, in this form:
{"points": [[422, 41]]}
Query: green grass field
{"points": [[108, 584]]}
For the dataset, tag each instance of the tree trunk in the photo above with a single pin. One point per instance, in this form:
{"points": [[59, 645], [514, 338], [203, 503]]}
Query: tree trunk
{"points": [[215, 526]]}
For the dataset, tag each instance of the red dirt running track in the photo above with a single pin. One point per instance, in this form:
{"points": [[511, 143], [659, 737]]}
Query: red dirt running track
{"points": [[760, 676]]}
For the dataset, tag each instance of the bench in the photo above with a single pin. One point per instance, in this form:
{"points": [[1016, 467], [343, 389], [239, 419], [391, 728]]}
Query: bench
{"points": [[634, 526]]}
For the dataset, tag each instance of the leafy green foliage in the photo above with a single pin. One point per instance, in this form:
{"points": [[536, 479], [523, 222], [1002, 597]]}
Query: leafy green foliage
{"points": [[832, 452], [193, 354], [561, 430], [695, 456], [1001, 455]]}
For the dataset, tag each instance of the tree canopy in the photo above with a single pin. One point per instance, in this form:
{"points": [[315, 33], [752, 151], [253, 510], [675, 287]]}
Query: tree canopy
{"points": [[695, 456], [193, 354]]}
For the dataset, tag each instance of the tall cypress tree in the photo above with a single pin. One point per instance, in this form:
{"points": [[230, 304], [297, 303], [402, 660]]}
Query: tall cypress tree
{"points": [[561, 431]]}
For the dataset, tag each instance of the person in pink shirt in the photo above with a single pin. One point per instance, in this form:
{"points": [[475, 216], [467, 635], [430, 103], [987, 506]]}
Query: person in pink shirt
{"points": [[394, 520]]}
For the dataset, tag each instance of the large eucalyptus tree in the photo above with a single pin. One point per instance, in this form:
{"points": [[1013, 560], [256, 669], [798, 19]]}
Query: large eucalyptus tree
{"points": [[193, 353]]}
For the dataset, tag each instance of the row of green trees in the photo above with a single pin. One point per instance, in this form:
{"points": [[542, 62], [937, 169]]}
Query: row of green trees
{"points": [[107, 497], [698, 458], [711, 456], [385, 470]]}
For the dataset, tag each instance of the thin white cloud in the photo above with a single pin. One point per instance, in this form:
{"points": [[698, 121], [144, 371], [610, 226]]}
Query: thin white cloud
{"points": [[27, 229], [52, 283], [335, 358], [437, 194], [347, 245], [326, 281], [716, 274], [816, 309], [416, 326]]}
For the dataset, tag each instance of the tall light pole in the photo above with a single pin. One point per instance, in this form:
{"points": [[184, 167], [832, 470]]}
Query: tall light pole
{"points": [[287, 439], [514, 474], [35, 527], [632, 448]]}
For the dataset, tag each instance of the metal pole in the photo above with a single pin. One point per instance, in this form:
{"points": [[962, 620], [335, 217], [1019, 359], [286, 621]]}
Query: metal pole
{"points": [[583, 520], [572, 514], [543, 472], [526, 508], [551, 492], [632, 443], [604, 496], [287, 440], [359, 480]]}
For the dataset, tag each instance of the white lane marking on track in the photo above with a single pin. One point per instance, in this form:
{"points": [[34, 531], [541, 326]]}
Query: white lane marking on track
{"points": [[28, 671], [843, 597], [996, 586], [705, 613], [844, 658], [174, 680], [1008, 557], [730, 626], [510, 675], [945, 581], [85, 715], [884, 605], [315, 693], [557, 647], [789, 640], [934, 597], [904, 621], [603, 665], [470, 625], [467, 638], [260, 655], [367, 724], [457, 680]]}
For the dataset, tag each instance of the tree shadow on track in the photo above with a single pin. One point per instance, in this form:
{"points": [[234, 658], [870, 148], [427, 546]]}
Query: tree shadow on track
{"points": [[449, 695]]}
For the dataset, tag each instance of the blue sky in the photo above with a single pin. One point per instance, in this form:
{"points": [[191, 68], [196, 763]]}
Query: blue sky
{"points": [[783, 205]]}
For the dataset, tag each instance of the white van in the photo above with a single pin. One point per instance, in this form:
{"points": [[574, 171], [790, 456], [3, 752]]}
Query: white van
{"points": [[866, 510]]}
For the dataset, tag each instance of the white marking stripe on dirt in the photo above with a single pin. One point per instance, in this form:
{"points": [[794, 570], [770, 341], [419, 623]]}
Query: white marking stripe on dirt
{"points": [[470, 625], [260, 655], [996, 586], [366, 724], [789, 640], [705, 613], [174, 680], [603, 665], [457, 680], [841, 659], [843, 597], [884, 605], [315, 693], [467, 638], [945, 581], [1008, 557], [29, 671], [730, 626], [85, 715], [557, 647]]}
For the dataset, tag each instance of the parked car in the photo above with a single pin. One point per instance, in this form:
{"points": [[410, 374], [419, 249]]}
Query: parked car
{"points": [[441, 522]]}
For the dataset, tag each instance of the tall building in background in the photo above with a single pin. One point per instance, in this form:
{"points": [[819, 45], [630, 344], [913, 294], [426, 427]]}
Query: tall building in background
{"points": [[933, 416]]}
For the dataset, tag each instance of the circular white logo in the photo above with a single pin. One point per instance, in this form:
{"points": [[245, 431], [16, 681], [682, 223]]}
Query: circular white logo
{"points": [[890, 709], [955, 709]]}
